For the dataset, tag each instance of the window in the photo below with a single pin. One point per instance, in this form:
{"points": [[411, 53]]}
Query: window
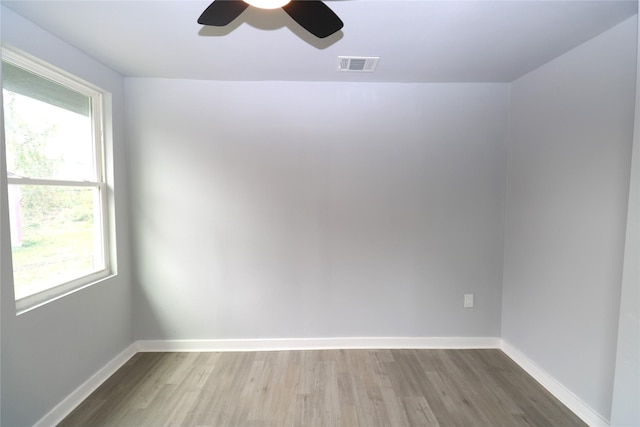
{"points": [[55, 176]]}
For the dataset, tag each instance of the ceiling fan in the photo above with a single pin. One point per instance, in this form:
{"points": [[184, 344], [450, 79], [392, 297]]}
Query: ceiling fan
{"points": [[312, 15]]}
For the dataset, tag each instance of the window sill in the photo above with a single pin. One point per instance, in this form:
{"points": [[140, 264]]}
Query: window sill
{"points": [[32, 302]]}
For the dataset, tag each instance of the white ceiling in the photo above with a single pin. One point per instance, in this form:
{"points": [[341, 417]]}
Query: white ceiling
{"points": [[418, 41]]}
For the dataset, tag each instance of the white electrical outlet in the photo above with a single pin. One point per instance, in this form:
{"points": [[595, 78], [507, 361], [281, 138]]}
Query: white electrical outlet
{"points": [[468, 300]]}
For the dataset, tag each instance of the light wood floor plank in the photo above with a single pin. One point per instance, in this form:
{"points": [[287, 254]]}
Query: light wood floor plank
{"points": [[369, 388]]}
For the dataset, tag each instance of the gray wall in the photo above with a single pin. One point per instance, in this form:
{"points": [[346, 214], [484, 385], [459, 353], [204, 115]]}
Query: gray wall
{"points": [[294, 210], [570, 134], [625, 409], [48, 352]]}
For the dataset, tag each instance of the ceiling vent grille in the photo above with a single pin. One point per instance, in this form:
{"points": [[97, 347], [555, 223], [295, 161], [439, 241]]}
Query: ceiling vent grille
{"points": [[358, 64]]}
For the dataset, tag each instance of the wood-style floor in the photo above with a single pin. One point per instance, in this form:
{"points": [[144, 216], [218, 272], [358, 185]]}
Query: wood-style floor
{"points": [[322, 388]]}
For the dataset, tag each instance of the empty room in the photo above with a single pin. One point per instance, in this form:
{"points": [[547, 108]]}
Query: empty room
{"points": [[319, 213]]}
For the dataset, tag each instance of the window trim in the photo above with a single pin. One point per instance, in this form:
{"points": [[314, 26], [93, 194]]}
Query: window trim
{"points": [[97, 97]]}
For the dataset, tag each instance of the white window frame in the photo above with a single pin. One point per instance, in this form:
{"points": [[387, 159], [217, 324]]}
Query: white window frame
{"points": [[96, 95]]}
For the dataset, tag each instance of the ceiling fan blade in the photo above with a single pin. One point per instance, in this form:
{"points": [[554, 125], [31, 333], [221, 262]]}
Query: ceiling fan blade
{"points": [[314, 16], [222, 12]]}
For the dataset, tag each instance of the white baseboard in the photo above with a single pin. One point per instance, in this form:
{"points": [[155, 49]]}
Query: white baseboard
{"points": [[317, 344], [553, 386], [64, 408]]}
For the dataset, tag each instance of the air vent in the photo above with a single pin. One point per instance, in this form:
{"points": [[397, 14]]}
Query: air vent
{"points": [[358, 64]]}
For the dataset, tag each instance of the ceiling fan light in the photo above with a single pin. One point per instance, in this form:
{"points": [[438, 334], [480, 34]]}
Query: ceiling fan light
{"points": [[267, 4]]}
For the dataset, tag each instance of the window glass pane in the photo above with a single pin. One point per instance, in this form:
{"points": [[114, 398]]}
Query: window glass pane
{"points": [[47, 141], [55, 235]]}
